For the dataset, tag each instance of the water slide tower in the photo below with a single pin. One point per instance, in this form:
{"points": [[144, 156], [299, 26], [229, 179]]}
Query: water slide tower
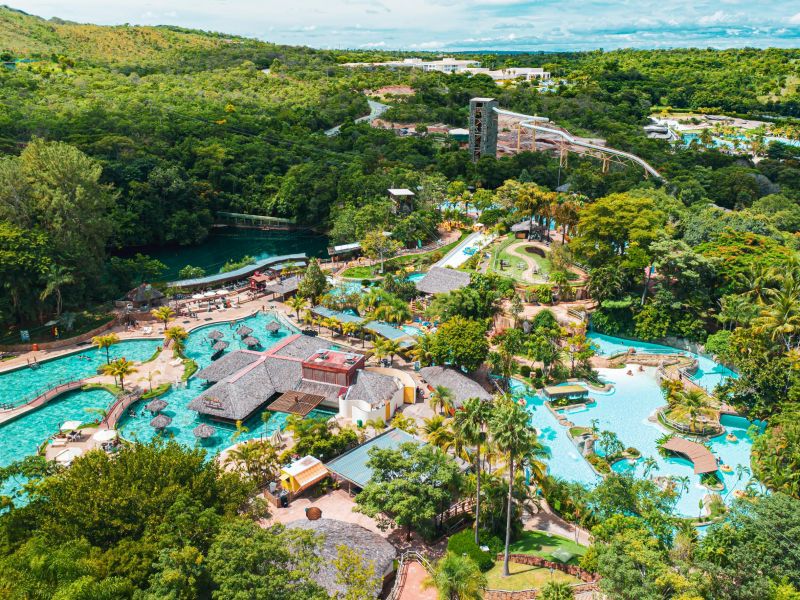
{"points": [[482, 127]]}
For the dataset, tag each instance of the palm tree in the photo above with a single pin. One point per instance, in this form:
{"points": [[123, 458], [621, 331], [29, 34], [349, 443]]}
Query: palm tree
{"points": [[649, 465], [297, 304], [407, 424], [349, 328], [422, 350], [438, 432], [560, 279], [177, 335], [106, 341], [329, 323], [390, 348], [457, 577], [557, 590], [120, 369], [377, 424], [163, 313], [442, 398], [781, 318], [470, 426], [757, 280], [240, 429], [149, 378], [683, 484], [56, 277], [693, 401], [512, 436]]}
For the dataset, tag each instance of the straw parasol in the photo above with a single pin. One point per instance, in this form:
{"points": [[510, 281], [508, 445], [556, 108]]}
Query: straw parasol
{"points": [[219, 346], [160, 422], [250, 341], [273, 327], [204, 431], [216, 334], [276, 439], [156, 405], [313, 513], [244, 331]]}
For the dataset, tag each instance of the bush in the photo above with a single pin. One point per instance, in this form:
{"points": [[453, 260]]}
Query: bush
{"points": [[525, 371], [464, 543]]}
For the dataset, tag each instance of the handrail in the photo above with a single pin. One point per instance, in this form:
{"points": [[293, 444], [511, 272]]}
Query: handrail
{"points": [[528, 121], [406, 557], [60, 384]]}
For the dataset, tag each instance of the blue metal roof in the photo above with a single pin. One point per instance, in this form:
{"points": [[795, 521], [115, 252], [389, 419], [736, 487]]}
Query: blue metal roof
{"points": [[352, 465], [272, 261], [391, 333], [337, 314]]}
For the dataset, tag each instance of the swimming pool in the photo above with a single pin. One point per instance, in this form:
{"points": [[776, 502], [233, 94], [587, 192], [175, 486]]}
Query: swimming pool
{"points": [[625, 411], [184, 420], [24, 383], [413, 277], [411, 330], [709, 373], [21, 437]]}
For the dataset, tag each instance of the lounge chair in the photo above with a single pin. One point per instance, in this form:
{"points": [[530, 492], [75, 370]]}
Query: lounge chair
{"points": [[147, 330], [59, 442]]}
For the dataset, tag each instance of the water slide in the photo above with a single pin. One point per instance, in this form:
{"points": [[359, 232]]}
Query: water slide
{"points": [[530, 122]]}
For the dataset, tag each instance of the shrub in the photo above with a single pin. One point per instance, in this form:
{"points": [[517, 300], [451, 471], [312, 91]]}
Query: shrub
{"points": [[464, 543], [525, 371]]}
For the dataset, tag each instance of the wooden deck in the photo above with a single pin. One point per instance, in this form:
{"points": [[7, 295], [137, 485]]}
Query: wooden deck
{"points": [[701, 457]]}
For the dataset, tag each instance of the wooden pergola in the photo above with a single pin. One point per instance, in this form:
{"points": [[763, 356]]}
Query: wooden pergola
{"points": [[296, 403]]}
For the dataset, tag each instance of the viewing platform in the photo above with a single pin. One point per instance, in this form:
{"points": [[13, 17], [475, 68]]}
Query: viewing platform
{"points": [[701, 457]]}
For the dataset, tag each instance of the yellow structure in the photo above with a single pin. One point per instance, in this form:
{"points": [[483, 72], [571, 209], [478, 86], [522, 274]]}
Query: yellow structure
{"points": [[302, 474]]}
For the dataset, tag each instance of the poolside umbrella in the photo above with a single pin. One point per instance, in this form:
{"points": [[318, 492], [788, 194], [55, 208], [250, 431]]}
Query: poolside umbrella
{"points": [[219, 346], [244, 331], [70, 425], [160, 422], [273, 327], [216, 334], [105, 435], [203, 431], [276, 439], [156, 405], [250, 341]]}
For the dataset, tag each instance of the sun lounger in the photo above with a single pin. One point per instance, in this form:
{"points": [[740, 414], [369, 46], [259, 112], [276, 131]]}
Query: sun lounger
{"points": [[58, 442], [147, 330]]}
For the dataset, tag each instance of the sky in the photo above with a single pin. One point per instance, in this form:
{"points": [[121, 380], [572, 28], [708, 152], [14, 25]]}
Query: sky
{"points": [[522, 25]]}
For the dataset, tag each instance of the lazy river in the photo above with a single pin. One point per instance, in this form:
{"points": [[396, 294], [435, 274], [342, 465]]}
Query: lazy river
{"points": [[625, 410]]}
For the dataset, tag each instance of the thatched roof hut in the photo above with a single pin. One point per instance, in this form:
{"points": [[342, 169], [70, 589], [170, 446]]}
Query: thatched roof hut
{"points": [[440, 280], [370, 545], [161, 422], [215, 334], [144, 294], [156, 405], [244, 331], [203, 431], [251, 342], [273, 327], [462, 386]]}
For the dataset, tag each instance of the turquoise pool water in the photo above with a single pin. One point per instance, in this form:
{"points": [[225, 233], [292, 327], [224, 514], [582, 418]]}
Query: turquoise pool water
{"points": [[625, 411], [184, 420], [411, 330], [22, 437], [415, 276], [23, 384], [709, 373]]}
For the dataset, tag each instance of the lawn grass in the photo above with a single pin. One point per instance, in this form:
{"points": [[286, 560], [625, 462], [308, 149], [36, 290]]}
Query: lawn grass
{"points": [[517, 266], [538, 543], [523, 577]]}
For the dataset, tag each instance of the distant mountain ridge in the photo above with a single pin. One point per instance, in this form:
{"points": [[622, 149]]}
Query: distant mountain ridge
{"points": [[28, 36]]}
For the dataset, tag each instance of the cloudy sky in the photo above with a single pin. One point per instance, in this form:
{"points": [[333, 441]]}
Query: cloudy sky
{"points": [[460, 24]]}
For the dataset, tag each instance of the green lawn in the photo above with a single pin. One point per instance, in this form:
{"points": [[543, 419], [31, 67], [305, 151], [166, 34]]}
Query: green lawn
{"points": [[538, 543], [517, 266], [523, 577]]}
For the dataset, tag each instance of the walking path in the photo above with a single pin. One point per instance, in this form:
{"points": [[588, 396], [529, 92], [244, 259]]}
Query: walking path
{"points": [[546, 520], [532, 274], [413, 587]]}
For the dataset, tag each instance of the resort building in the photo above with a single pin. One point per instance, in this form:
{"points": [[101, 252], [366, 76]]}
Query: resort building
{"points": [[512, 73], [576, 393], [302, 474], [459, 384], [351, 467], [440, 280], [372, 546], [445, 65], [297, 375]]}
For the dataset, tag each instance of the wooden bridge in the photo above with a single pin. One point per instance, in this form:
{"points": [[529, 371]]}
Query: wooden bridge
{"points": [[119, 406], [11, 411]]}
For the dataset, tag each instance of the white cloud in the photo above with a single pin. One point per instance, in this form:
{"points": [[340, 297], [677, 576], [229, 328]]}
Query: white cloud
{"points": [[373, 45], [795, 19]]}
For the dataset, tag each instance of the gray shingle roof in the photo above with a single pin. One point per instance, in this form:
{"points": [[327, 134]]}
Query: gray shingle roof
{"points": [[370, 545], [286, 286], [440, 280], [462, 386], [373, 388], [300, 347]]}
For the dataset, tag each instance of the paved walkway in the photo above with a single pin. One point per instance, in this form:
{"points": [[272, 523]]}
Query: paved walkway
{"points": [[413, 585], [546, 520]]}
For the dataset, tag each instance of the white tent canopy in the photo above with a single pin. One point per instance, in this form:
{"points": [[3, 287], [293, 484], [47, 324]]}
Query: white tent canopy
{"points": [[105, 435], [70, 425], [67, 456]]}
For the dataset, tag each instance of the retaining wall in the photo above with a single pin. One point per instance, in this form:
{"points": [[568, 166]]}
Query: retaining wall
{"points": [[84, 337]]}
